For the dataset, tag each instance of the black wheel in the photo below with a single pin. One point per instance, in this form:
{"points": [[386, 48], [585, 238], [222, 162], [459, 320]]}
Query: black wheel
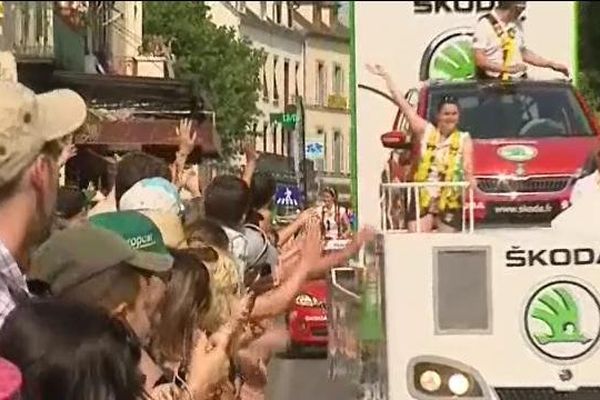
{"points": [[294, 350]]}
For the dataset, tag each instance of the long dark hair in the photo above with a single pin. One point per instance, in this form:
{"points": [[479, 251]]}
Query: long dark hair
{"points": [[187, 297], [336, 207], [71, 351], [262, 192]]}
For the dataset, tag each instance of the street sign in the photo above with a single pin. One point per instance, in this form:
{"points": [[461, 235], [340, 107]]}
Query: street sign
{"points": [[315, 150], [288, 119], [289, 196]]}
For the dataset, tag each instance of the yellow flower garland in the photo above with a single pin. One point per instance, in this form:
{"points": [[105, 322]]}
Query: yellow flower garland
{"points": [[451, 169]]}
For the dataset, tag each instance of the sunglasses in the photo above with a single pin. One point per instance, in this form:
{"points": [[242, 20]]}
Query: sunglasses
{"points": [[39, 288], [449, 100]]}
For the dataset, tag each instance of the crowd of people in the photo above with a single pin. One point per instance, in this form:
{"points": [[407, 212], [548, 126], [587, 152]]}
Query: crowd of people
{"points": [[148, 294]]}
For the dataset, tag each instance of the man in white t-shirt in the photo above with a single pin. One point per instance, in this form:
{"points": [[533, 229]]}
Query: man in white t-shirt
{"points": [[499, 45]]}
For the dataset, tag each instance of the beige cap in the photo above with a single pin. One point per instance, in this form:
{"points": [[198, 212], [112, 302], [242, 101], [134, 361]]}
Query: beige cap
{"points": [[28, 121], [170, 227]]}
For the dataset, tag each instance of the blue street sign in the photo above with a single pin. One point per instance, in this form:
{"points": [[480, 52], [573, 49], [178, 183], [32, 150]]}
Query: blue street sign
{"points": [[288, 196]]}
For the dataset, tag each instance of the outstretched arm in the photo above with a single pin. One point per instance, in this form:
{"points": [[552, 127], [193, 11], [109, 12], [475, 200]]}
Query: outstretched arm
{"points": [[416, 122], [534, 59]]}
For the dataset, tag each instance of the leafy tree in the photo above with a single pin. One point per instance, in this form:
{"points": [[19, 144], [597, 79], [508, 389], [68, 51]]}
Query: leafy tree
{"points": [[589, 51], [224, 68]]}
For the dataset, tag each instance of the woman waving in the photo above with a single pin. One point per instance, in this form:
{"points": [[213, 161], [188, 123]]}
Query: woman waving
{"points": [[444, 154]]}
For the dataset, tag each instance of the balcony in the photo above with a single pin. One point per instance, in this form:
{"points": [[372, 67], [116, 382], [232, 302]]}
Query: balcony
{"points": [[335, 102], [27, 29]]}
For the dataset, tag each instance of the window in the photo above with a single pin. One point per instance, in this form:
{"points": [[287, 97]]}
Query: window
{"points": [[265, 129], [275, 129], [275, 91], [284, 139], [462, 290], [263, 9], [326, 151], [265, 82], [526, 111], [338, 79], [286, 82], [297, 70], [277, 12], [337, 152], [321, 83], [317, 14], [240, 5], [320, 163], [290, 18]]}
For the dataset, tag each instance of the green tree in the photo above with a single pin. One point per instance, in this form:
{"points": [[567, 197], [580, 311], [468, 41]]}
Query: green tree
{"points": [[589, 51], [224, 68]]}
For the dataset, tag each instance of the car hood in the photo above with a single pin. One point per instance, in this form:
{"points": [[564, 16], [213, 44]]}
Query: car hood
{"points": [[316, 288], [541, 156]]}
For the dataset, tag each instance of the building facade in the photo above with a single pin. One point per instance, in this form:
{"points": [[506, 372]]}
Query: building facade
{"points": [[269, 26], [308, 55], [326, 94], [95, 48]]}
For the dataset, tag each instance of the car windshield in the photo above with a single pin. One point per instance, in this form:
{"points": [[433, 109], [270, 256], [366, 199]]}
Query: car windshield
{"points": [[497, 112]]}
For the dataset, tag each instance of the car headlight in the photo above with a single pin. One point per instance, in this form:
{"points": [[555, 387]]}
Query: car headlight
{"points": [[306, 300], [430, 381], [445, 381], [458, 384]]}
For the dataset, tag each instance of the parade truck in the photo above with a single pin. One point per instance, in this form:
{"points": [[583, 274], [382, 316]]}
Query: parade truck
{"points": [[500, 313], [491, 314]]}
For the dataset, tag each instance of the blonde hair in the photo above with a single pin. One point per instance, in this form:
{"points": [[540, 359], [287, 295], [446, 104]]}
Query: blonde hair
{"points": [[224, 287]]}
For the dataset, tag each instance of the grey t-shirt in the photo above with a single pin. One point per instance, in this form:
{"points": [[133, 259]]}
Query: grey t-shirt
{"points": [[259, 248]]}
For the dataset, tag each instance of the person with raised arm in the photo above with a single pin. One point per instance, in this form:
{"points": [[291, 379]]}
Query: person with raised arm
{"points": [[444, 155]]}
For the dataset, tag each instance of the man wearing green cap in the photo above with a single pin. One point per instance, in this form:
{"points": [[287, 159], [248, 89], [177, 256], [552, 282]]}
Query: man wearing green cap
{"points": [[140, 233], [32, 130]]}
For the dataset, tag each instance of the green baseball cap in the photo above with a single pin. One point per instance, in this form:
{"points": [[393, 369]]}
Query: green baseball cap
{"points": [[73, 255], [141, 234]]}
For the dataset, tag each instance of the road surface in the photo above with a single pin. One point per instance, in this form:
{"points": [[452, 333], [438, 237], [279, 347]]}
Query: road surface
{"points": [[305, 379]]}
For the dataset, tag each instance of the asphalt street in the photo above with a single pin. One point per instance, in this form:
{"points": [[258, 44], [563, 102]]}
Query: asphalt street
{"points": [[305, 379]]}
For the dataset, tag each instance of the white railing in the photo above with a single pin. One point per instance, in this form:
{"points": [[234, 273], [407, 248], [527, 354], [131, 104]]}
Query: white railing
{"points": [[28, 28], [409, 194]]}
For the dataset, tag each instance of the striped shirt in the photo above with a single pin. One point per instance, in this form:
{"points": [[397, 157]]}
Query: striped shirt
{"points": [[11, 280]]}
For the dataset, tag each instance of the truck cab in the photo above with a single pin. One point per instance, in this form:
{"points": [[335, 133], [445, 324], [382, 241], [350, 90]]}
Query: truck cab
{"points": [[531, 142]]}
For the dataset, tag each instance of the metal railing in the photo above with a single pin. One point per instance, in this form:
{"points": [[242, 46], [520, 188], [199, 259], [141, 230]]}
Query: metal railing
{"points": [[409, 193]]}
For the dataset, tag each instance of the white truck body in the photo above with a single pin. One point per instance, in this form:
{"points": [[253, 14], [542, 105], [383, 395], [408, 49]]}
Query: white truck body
{"points": [[466, 301]]}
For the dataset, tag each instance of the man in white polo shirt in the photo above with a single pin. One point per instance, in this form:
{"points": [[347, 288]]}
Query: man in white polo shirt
{"points": [[499, 45]]}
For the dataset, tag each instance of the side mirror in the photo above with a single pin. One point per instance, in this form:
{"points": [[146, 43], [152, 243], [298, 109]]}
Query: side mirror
{"points": [[347, 281], [395, 140]]}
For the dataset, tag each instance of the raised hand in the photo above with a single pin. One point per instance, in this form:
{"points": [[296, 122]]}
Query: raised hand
{"points": [[250, 151], [187, 138], [377, 69], [68, 152]]}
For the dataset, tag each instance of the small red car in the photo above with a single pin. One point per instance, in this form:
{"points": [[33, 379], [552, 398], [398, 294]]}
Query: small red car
{"points": [[307, 320]]}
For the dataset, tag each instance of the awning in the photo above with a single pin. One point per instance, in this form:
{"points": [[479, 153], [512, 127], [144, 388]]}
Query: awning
{"points": [[138, 133]]}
